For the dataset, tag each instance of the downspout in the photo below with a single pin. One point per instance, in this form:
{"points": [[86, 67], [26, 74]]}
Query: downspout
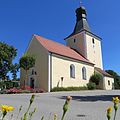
{"points": [[49, 72]]}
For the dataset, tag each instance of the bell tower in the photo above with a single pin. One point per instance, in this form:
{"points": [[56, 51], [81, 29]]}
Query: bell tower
{"points": [[83, 41]]}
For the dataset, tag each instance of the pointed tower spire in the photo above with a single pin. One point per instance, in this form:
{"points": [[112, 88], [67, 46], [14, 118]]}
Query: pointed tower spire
{"points": [[81, 20]]}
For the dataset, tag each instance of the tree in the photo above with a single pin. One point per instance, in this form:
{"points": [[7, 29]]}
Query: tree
{"points": [[7, 55], [14, 70], [96, 78], [116, 78], [26, 62]]}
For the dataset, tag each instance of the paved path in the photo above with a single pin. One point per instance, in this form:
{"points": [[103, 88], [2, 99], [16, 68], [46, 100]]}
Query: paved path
{"points": [[86, 105]]}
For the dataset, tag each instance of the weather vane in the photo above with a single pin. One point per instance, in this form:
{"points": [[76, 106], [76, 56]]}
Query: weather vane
{"points": [[80, 2]]}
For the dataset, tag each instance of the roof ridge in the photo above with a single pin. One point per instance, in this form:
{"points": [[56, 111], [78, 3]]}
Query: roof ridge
{"points": [[51, 40]]}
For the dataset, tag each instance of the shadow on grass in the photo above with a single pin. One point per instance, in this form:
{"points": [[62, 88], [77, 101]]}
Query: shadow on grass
{"points": [[92, 98]]}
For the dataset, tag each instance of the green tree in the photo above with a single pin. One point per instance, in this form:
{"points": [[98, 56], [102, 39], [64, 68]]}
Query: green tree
{"points": [[7, 55], [116, 78], [26, 62], [14, 70], [96, 78]]}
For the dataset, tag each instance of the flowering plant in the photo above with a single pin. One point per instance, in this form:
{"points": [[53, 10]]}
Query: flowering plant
{"points": [[116, 101], [5, 109], [28, 115]]}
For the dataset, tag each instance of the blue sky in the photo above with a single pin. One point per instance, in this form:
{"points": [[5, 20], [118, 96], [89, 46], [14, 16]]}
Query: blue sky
{"points": [[55, 19]]}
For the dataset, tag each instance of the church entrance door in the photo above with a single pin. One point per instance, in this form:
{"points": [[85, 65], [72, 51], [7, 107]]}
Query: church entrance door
{"points": [[32, 82]]}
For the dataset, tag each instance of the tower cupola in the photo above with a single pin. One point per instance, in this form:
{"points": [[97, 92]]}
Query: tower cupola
{"points": [[81, 20], [81, 13]]}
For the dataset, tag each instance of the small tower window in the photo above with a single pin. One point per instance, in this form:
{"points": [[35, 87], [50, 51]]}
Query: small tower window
{"points": [[74, 40], [93, 40]]}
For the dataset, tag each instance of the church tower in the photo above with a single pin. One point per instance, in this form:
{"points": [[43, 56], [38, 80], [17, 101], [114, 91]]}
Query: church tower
{"points": [[83, 41]]}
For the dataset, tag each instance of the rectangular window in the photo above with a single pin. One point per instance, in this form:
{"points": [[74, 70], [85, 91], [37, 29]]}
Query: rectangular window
{"points": [[93, 40], [108, 82]]}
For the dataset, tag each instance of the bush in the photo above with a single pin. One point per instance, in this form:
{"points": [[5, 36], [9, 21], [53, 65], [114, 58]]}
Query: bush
{"points": [[8, 84], [26, 91], [56, 89], [26, 87], [91, 86], [16, 84], [3, 91], [96, 78], [13, 91]]}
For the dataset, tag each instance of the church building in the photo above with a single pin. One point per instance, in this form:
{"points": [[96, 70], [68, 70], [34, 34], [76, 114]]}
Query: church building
{"points": [[58, 65]]}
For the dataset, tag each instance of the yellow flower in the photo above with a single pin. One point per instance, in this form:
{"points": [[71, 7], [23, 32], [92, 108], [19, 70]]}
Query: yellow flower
{"points": [[68, 98], [116, 100], [10, 108], [7, 108], [109, 110]]}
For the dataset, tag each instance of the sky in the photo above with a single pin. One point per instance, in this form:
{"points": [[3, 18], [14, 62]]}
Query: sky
{"points": [[55, 20]]}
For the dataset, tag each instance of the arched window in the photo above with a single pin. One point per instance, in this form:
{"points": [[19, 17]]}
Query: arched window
{"points": [[84, 73], [72, 71]]}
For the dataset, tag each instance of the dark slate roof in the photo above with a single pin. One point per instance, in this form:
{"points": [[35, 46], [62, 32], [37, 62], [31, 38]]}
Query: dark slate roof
{"points": [[81, 20], [81, 25], [87, 32]]}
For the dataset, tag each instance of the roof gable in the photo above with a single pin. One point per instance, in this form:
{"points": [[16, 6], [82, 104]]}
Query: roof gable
{"points": [[60, 49]]}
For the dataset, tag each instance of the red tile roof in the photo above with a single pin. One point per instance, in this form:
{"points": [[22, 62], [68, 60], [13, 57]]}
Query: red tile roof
{"points": [[102, 72], [60, 49]]}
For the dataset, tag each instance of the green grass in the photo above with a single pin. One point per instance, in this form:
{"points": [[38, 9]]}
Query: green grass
{"points": [[56, 89]]}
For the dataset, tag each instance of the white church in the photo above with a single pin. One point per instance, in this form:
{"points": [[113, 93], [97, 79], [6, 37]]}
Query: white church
{"points": [[58, 65]]}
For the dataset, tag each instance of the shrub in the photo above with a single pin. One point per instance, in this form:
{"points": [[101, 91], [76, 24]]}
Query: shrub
{"points": [[8, 84], [96, 78], [26, 91], [55, 89], [26, 87], [91, 86], [28, 115], [16, 84], [13, 91], [3, 91]]}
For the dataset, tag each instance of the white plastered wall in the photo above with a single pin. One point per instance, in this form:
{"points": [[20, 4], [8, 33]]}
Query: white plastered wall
{"points": [[79, 44], [94, 53], [41, 65], [61, 68], [106, 85]]}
